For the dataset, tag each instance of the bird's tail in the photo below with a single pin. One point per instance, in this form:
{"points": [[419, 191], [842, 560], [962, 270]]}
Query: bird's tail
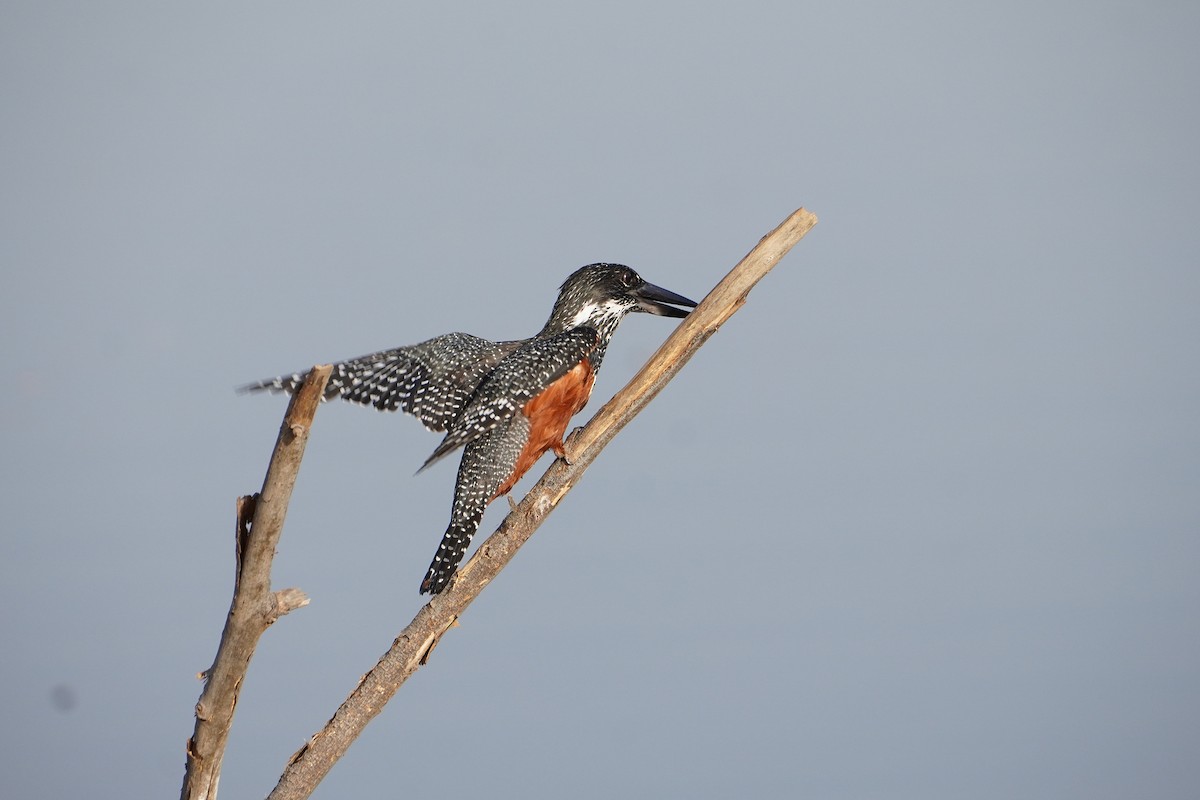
{"points": [[487, 463], [450, 553]]}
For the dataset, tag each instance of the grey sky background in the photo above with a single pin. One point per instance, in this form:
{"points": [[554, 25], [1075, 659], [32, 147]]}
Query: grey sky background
{"points": [[920, 522]]}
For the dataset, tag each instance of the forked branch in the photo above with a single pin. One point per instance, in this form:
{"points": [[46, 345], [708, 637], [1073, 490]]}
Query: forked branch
{"points": [[254, 607]]}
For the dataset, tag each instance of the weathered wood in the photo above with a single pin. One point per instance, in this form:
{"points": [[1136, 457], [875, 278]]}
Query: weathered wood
{"points": [[254, 607]]}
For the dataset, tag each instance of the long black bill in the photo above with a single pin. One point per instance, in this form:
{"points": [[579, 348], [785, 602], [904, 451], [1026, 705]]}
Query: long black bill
{"points": [[652, 299]]}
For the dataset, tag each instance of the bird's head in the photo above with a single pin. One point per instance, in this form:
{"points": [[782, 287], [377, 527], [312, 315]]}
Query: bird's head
{"points": [[600, 295]]}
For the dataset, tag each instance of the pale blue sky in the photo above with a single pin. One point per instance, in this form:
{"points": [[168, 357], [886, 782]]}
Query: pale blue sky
{"points": [[922, 521]]}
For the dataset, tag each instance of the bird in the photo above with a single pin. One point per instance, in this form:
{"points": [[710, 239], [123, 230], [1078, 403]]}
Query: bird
{"points": [[505, 403]]}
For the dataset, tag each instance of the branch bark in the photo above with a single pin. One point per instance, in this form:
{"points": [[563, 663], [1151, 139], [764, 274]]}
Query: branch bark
{"points": [[412, 647], [254, 606]]}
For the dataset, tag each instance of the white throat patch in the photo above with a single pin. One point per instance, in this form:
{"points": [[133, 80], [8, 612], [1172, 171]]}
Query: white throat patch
{"points": [[592, 311]]}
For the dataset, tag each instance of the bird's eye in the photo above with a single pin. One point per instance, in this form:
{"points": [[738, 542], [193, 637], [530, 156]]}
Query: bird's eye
{"points": [[629, 279]]}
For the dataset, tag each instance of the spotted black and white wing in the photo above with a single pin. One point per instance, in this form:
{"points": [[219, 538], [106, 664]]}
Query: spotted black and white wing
{"points": [[521, 376], [432, 380]]}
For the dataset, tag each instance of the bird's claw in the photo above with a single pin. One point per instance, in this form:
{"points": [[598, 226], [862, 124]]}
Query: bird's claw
{"points": [[569, 445]]}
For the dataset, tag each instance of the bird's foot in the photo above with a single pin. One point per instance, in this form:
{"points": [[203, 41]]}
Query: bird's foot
{"points": [[569, 446]]}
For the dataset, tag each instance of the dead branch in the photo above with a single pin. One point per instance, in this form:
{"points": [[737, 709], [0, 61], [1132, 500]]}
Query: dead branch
{"points": [[412, 647], [254, 607]]}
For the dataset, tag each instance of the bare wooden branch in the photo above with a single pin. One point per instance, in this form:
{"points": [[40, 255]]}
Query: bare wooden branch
{"points": [[413, 646], [254, 607]]}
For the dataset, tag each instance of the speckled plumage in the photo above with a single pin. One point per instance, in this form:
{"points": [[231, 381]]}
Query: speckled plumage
{"points": [[479, 391], [486, 463], [432, 380], [529, 370]]}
